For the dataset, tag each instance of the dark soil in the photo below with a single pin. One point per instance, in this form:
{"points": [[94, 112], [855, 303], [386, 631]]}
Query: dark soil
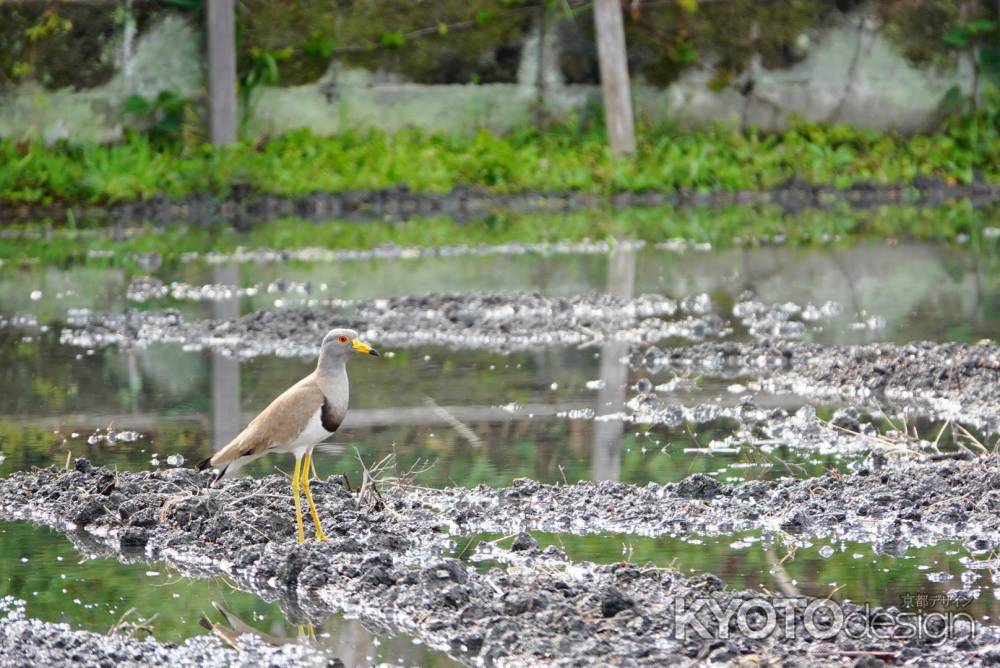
{"points": [[390, 565]]}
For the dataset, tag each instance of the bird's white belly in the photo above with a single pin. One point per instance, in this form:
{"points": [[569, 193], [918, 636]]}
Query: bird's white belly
{"points": [[313, 433]]}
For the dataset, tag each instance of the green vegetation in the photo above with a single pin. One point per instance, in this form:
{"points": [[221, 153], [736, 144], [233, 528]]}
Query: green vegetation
{"points": [[968, 147], [719, 227]]}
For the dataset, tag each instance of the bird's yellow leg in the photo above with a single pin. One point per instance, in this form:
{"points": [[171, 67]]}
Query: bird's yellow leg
{"points": [[306, 469], [295, 497]]}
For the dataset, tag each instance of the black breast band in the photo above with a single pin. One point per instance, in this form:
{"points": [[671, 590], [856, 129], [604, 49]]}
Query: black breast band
{"points": [[326, 417]]}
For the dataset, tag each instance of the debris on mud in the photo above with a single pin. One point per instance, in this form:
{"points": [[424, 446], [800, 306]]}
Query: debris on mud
{"points": [[391, 567], [780, 321]]}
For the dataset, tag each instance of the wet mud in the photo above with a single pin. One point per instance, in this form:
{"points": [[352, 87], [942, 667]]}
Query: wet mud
{"points": [[503, 322], [390, 562], [892, 505], [951, 381]]}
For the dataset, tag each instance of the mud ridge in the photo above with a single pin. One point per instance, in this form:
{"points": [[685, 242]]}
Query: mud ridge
{"points": [[387, 564], [951, 381], [893, 505], [502, 322]]}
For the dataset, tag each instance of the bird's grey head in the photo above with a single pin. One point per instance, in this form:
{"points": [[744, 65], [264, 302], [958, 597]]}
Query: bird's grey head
{"points": [[339, 343]]}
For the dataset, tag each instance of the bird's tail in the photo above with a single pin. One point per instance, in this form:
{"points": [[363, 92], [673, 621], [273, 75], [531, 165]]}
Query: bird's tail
{"points": [[229, 468]]}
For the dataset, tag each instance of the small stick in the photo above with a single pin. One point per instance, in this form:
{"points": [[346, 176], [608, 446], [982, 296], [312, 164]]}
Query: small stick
{"points": [[883, 654], [463, 429]]}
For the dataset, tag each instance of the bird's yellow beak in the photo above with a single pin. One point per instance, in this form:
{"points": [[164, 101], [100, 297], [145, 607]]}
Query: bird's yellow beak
{"points": [[364, 348]]}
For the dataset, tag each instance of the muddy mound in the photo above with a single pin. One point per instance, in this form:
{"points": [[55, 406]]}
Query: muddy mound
{"points": [[501, 322], [945, 380], [389, 562], [891, 505]]}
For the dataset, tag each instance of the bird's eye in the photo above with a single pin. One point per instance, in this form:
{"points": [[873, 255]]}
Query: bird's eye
{"points": [[342, 339]]}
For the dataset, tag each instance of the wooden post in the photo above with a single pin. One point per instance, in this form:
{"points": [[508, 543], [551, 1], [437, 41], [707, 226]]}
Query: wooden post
{"points": [[614, 75], [220, 24]]}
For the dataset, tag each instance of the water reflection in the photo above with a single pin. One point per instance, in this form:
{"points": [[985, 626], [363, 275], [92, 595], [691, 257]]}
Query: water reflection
{"points": [[922, 290], [226, 421], [606, 460], [47, 572], [931, 578], [478, 417]]}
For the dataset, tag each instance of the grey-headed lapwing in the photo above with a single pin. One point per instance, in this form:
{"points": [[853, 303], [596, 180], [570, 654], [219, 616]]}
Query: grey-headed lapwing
{"points": [[304, 415]]}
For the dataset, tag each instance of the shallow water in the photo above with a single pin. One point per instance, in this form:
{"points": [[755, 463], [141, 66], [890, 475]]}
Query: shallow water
{"points": [[921, 579], [457, 417], [181, 403], [98, 594]]}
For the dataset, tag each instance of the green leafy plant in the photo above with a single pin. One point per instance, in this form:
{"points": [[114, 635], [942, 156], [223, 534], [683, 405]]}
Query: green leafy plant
{"points": [[186, 5], [164, 115], [262, 71], [319, 46], [980, 39], [50, 24], [392, 40]]}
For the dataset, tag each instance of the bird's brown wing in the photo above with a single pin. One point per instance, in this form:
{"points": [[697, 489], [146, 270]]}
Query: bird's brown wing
{"points": [[277, 425]]}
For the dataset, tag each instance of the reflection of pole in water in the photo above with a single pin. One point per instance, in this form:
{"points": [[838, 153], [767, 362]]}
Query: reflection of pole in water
{"points": [[225, 370], [134, 379], [605, 460]]}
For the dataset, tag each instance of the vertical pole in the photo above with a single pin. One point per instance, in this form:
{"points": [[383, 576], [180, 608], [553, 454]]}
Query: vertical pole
{"points": [[614, 75], [543, 20], [220, 24]]}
